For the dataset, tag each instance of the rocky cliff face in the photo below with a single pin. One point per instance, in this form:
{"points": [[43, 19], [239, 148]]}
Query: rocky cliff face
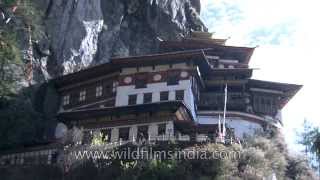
{"points": [[78, 34], [82, 33]]}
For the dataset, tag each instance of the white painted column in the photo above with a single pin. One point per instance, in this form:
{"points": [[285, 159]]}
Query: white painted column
{"points": [[114, 135], [170, 129], [172, 95], [140, 98], [133, 133], [156, 97], [153, 131]]}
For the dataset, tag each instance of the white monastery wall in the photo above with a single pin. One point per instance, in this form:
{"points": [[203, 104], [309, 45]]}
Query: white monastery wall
{"points": [[123, 93]]}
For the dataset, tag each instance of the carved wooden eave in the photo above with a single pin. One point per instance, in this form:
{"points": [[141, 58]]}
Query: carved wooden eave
{"points": [[195, 56], [94, 72], [113, 68], [205, 37], [243, 54], [288, 90]]}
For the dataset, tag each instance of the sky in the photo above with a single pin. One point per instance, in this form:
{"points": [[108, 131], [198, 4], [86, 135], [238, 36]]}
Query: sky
{"points": [[286, 34]]}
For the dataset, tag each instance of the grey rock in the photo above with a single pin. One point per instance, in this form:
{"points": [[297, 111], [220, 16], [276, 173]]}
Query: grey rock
{"points": [[61, 131], [84, 33]]}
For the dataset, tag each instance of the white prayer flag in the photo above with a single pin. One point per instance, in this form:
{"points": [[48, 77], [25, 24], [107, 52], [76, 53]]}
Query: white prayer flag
{"points": [[225, 110]]}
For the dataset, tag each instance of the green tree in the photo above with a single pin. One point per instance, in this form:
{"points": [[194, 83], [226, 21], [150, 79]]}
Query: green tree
{"points": [[21, 121], [10, 61], [8, 2], [316, 144], [310, 139], [27, 20], [20, 124], [315, 147]]}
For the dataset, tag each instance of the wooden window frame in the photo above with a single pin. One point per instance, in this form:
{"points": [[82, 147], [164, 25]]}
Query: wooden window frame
{"points": [[99, 91], [124, 133], [143, 132], [179, 96], [166, 94], [162, 129], [130, 102], [82, 95], [141, 81], [173, 78], [106, 134], [147, 98], [114, 86], [66, 100]]}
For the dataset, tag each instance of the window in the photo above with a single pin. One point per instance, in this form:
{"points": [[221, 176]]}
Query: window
{"points": [[98, 91], [263, 104], [106, 135], [143, 133], [141, 81], [124, 134], [161, 129], [164, 96], [108, 89], [82, 96], [147, 98], [87, 137], [132, 99], [114, 86], [173, 78], [54, 158], [180, 95], [66, 100]]}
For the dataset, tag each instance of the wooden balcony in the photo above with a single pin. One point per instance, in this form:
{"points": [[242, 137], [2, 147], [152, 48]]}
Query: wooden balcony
{"points": [[235, 101]]}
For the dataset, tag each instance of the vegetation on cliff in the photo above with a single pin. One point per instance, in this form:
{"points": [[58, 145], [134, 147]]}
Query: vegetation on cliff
{"points": [[21, 121], [259, 158], [10, 60], [25, 115]]}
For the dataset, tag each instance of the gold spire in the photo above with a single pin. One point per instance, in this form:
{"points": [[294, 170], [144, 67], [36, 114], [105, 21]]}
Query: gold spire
{"points": [[206, 37]]}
